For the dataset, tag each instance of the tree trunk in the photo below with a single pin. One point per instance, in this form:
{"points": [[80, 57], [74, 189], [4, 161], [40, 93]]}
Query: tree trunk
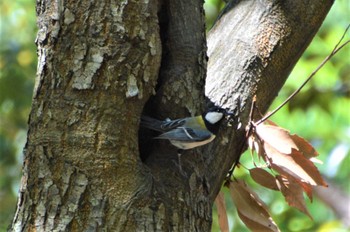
{"points": [[100, 62]]}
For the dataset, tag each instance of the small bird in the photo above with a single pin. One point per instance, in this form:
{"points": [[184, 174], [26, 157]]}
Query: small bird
{"points": [[187, 133]]}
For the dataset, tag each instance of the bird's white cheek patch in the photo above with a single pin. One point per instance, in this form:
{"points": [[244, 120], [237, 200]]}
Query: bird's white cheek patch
{"points": [[213, 117]]}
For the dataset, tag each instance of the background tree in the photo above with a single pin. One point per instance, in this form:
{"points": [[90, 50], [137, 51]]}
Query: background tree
{"points": [[167, 71]]}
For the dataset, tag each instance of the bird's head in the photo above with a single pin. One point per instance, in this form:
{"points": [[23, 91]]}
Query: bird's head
{"points": [[214, 115]]}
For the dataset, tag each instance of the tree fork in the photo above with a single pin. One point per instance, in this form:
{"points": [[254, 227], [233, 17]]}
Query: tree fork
{"points": [[99, 64]]}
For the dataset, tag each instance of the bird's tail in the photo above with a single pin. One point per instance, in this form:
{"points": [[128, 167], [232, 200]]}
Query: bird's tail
{"points": [[151, 123]]}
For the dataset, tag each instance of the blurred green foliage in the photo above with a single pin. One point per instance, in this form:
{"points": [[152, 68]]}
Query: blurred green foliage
{"points": [[320, 113], [17, 74]]}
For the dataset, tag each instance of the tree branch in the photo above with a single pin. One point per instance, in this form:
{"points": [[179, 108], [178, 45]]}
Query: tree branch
{"points": [[252, 49]]}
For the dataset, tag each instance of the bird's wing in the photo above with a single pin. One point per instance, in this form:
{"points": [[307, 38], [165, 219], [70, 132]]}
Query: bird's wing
{"points": [[185, 134], [172, 124], [162, 126]]}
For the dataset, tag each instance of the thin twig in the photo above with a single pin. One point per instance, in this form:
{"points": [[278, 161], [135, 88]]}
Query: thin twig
{"points": [[334, 51]]}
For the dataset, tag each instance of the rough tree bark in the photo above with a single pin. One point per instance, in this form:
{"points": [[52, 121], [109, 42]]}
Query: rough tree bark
{"points": [[100, 64]]}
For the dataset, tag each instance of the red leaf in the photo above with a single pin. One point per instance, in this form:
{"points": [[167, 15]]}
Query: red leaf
{"points": [[222, 215]]}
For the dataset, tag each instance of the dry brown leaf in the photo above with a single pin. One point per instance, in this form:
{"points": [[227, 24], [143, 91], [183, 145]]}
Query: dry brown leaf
{"points": [[264, 178], [255, 146], [250, 206], [283, 141], [276, 137], [294, 164], [271, 122], [315, 160], [222, 214], [293, 193], [305, 186], [304, 146], [307, 189], [251, 143], [309, 167], [291, 156], [252, 225], [260, 148]]}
